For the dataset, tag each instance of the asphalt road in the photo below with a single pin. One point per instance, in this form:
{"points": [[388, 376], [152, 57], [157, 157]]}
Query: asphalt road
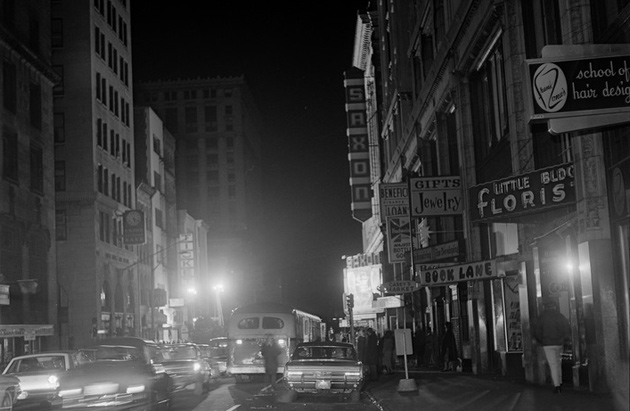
{"points": [[226, 395]]}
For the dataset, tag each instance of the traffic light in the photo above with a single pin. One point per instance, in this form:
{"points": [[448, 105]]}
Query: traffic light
{"points": [[350, 300]]}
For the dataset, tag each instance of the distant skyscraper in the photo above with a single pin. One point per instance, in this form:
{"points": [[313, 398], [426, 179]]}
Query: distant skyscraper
{"points": [[217, 129]]}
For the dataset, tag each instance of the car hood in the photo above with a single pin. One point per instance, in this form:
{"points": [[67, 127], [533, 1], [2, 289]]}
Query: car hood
{"points": [[103, 371]]}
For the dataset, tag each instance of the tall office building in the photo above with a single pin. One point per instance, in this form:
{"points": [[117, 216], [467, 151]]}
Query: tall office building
{"points": [[216, 126], [94, 173], [28, 286]]}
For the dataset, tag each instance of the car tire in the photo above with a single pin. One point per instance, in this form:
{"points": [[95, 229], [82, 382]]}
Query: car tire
{"points": [[355, 396], [7, 401]]}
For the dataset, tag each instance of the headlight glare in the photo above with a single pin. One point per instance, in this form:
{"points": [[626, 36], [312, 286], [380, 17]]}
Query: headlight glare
{"points": [[134, 389]]}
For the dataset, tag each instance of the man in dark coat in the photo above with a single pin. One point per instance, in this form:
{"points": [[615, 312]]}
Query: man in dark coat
{"points": [[449, 348], [552, 331], [270, 351], [371, 353]]}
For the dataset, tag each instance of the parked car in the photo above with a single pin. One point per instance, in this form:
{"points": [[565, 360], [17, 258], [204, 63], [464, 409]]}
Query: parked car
{"points": [[9, 390], [206, 354], [324, 367], [218, 350], [186, 367], [126, 373], [38, 374]]}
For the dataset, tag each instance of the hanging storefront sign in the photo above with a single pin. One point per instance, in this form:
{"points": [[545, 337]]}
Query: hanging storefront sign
{"points": [[394, 200], [133, 227], [358, 145], [571, 83], [362, 283], [398, 239], [522, 194], [20, 330], [430, 196], [435, 196], [480, 270], [399, 287]]}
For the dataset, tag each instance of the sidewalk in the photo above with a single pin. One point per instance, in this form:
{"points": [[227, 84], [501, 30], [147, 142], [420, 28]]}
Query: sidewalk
{"points": [[463, 391]]}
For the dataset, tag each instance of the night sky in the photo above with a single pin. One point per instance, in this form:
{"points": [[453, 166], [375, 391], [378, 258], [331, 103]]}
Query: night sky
{"points": [[293, 55]]}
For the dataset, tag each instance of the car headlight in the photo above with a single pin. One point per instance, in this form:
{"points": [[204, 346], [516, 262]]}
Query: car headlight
{"points": [[294, 374], [135, 389], [196, 367], [239, 342], [352, 374], [53, 380], [282, 342]]}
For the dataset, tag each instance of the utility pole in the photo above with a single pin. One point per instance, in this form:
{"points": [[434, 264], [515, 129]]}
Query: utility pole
{"points": [[350, 305]]}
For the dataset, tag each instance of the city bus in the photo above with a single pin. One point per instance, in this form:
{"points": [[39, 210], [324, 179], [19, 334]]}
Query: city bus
{"points": [[249, 326]]}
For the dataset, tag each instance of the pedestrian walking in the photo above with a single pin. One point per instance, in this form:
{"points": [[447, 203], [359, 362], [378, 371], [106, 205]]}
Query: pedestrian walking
{"points": [[371, 353], [270, 351], [419, 342], [361, 345], [448, 348], [389, 346], [553, 331]]}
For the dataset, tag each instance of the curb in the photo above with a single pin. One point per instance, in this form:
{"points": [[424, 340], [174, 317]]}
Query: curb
{"points": [[375, 402]]}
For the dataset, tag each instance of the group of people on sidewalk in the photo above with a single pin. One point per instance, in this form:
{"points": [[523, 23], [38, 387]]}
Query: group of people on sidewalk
{"points": [[379, 353]]}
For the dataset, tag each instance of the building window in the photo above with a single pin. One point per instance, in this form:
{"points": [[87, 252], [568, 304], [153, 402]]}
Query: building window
{"points": [[35, 102], [10, 155], [9, 86], [57, 33], [159, 218], [61, 225], [60, 176], [213, 177], [37, 169], [60, 128], [157, 181], [190, 118], [210, 114], [229, 110], [157, 145], [58, 88], [490, 115]]}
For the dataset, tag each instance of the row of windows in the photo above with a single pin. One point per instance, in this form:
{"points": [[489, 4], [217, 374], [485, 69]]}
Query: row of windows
{"points": [[117, 146], [212, 143], [117, 63], [119, 107], [117, 191], [191, 118], [10, 95], [11, 163], [114, 20], [192, 94]]}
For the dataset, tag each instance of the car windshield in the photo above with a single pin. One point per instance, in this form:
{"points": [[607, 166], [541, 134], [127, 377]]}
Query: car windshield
{"points": [[184, 352], [318, 352], [116, 352], [34, 364]]}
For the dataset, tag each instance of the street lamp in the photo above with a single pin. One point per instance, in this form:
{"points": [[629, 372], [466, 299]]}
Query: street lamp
{"points": [[218, 289]]}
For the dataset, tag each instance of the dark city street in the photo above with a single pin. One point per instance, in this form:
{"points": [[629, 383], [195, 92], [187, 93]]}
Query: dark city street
{"points": [[360, 205]]}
